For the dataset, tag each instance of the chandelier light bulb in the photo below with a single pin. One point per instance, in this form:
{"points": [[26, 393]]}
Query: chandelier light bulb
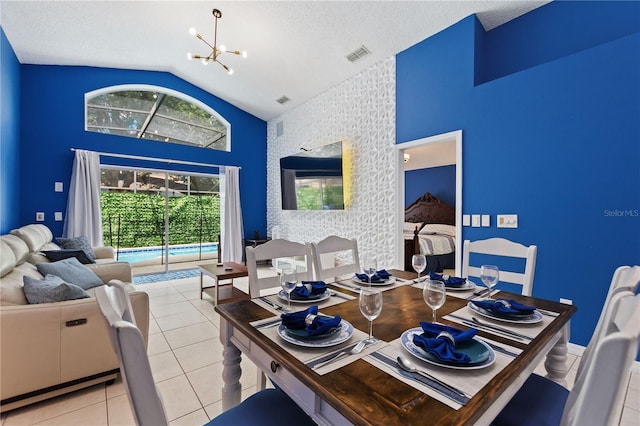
{"points": [[244, 53], [192, 31], [223, 48], [230, 71], [205, 61], [189, 56]]}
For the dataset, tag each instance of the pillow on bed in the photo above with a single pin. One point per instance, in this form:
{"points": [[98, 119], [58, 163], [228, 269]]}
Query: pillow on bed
{"points": [[411, 226], [438, 228]]}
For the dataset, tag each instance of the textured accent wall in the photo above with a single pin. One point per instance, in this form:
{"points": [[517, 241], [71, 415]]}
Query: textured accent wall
{"points": [[360, 112]]}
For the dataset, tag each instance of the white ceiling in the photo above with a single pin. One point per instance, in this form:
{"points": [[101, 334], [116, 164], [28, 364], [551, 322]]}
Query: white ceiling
{"points": [[295, 48]]}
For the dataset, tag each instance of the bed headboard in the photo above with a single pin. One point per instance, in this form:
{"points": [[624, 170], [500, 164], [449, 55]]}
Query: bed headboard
{"points": [[430, 209]]}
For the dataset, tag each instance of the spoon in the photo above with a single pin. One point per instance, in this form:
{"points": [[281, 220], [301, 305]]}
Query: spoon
{"points": [[408, 366]]}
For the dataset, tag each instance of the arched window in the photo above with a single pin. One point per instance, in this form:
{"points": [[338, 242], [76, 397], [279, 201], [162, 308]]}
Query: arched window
{"points": [[155, 113]]}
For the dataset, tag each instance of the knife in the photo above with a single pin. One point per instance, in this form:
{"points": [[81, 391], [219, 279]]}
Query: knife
{"points": [[436, 385], [272, 304], [504, 332], [271, 323]]}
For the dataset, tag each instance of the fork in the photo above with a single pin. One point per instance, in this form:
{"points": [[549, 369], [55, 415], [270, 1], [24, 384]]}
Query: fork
{"points": [[356, 350]]}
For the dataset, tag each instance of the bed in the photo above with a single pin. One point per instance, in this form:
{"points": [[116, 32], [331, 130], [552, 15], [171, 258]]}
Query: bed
{"points": [[429, 229]]}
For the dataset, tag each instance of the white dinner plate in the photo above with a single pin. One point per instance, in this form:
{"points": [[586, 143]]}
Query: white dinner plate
{"points": [[388, 281], [466, 286], [346, 331], [407, 342], [314, 299], [535, 318]]}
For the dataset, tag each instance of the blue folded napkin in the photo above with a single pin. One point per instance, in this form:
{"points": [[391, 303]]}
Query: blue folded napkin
{"points": [[499, 308], [380, 276], [302, 292], [441, 347], [320, 324], [450, 281]]}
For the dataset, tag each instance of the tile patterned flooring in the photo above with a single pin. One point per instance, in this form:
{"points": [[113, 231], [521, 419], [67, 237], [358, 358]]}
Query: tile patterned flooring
{"points": [[186, 359]]}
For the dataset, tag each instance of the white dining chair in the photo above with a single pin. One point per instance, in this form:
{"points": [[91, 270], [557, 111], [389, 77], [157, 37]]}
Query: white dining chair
{"points": [[334, 257], [268, 407], [296, 255], [593, 399], [502, 248], [625, 279]]}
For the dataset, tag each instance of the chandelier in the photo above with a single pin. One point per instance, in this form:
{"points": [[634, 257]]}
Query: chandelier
{"points": [[216, 51]]}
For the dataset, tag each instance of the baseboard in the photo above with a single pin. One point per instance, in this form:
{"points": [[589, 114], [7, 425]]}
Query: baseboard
{"points": [[578, 350]]}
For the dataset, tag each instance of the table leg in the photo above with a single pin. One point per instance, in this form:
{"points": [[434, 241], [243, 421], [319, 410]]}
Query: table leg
{"points": [[231, 371], [201, 285], [556, 362]]}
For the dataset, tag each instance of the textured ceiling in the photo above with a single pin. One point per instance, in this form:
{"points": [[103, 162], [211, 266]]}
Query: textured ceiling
{"points": [[295, 49]]}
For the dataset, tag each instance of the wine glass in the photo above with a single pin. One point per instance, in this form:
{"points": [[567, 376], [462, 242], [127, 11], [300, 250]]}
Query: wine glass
{"points": [[288, 281], [434, 294], [370, 306], [489, 274], [370, 267], [419, 263]]}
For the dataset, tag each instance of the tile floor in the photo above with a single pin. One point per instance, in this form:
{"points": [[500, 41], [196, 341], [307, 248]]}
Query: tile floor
{"points": [[186, 359]]}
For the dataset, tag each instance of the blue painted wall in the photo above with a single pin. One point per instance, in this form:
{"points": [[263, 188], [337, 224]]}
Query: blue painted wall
{"points": [[9, 136], [52, 122], [439, 181], [555, 139]]}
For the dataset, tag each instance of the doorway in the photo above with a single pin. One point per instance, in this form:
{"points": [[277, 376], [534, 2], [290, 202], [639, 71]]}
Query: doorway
{"points": [[446, 144]]}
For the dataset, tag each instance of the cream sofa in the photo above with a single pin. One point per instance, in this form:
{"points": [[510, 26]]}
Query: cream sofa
{"points": [[50, 349]]}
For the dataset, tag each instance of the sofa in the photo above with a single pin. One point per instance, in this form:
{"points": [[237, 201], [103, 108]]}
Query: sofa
{"points": [[48, 349]]}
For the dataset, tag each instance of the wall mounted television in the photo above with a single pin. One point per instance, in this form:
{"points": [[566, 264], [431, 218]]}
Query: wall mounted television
{"points": [[312, 179]]}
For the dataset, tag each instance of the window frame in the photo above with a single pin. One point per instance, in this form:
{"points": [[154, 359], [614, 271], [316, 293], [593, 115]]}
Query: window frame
{"points": [[164, 91]]}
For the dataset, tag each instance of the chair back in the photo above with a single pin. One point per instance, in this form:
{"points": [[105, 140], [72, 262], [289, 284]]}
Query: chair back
{"points": [[129, 346], [326, 252], [593, 399], [503, 248], [625, 279], [280, 252]]}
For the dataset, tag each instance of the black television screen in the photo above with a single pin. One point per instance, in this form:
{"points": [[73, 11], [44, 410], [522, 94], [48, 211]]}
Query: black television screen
{"points": [[312, 179]]}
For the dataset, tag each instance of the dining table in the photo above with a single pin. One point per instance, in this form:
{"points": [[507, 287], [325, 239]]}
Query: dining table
{"points": [[368, 388]]}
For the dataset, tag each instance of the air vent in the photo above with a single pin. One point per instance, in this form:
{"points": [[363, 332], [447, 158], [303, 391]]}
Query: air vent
{"points": [[279, 128], [283, 100], [357, 54]]}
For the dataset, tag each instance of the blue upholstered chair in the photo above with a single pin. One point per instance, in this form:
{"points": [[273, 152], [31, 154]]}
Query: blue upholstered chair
{"points": [[592, 401], [267, 407]]}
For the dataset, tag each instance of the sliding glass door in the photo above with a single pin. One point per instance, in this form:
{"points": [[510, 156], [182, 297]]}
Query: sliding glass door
{"points": [[159, 217]]}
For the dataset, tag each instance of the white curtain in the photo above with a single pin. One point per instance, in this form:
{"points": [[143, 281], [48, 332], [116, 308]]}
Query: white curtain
{"points": [[232, 233], [83, 216]]}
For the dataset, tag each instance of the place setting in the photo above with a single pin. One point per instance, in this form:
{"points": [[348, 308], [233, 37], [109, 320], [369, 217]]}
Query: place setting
{"points": [[371, 277], [308, 334], [293, 293]]}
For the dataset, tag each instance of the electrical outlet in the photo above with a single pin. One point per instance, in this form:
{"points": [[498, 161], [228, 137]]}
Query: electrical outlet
{"points": [[39, 216], [566, 301]]}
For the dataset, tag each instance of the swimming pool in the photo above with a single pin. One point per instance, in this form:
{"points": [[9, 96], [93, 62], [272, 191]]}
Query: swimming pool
{"points": [[133, 255]]}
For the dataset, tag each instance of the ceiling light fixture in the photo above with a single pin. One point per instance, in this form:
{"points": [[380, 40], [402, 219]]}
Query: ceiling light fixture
{"points": [[407, 157], [216, 51]]}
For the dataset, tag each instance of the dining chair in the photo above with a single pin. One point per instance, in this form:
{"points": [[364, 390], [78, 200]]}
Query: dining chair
{"points": [[334, 257], [297, 255], [270, 407], [503, 248], [625, 279], [592, 400]]}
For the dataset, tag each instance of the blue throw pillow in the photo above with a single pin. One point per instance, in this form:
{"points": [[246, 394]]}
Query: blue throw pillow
{"points": [[72, 272], [55, 255], [51, 289], [78, 243]]}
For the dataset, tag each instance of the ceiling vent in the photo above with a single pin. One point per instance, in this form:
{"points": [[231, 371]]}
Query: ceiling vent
{"points": [[358, 54], [283, 100]]}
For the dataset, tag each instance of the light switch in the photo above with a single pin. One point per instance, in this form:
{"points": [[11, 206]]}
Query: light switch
{"points": [[507, 221], [475, 220], [39, 216], [486, 220], [59, 187], [466, 220], [58, 216]]}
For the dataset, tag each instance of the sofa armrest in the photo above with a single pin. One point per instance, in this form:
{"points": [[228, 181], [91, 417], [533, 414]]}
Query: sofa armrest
{"points": [[105, 252], [112, 271]]}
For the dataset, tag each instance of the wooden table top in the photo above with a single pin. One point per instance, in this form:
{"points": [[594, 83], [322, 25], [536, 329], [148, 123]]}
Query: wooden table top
{"points": [[366, 395], [223, 272]]}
